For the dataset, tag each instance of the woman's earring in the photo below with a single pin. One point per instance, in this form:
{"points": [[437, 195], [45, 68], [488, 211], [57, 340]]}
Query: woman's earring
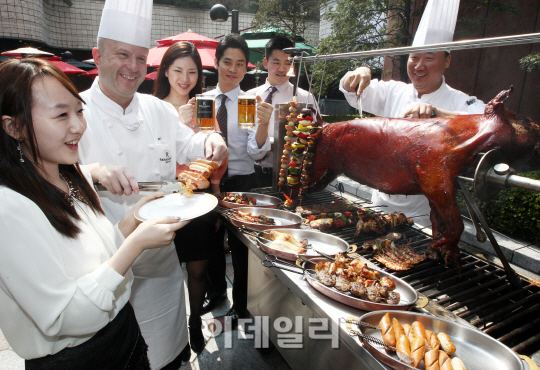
{"points": [[20, 149]]}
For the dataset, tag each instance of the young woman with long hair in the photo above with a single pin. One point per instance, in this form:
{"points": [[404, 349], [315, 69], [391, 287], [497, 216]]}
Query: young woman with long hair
{"points": [[65, 277], [179, 78]]}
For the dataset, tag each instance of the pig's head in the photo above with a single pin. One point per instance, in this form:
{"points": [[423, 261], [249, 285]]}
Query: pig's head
{"points": [[523, 150]]}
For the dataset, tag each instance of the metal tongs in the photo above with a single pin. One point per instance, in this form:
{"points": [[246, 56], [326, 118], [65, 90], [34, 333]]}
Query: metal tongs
{"points": [[370, 339], [162, 186], [271, 260]]}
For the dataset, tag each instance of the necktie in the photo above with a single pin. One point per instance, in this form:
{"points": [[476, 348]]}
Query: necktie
{"points": [[222, 116], [222, 122], [268, 99]]}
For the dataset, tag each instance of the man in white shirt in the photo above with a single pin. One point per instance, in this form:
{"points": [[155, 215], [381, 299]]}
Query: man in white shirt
{"points": [[245, 147], [276, 90], [135, 137], [426, 96]]}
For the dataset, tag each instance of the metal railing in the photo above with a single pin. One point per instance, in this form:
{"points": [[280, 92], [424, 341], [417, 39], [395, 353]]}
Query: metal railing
{"points": [[456, 45]]}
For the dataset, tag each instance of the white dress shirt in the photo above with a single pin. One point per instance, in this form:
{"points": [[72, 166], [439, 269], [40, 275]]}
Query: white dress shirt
{"points": [[56, 292], [242, 144], [283, 94], [392, 99], [148, 139]]}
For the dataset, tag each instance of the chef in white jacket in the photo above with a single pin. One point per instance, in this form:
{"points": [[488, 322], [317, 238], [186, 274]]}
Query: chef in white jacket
{"points": [[427, 96], [135, 137]]}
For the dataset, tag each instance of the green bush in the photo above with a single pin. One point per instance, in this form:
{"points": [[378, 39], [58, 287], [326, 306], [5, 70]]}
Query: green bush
{"points": [[513, 212]]}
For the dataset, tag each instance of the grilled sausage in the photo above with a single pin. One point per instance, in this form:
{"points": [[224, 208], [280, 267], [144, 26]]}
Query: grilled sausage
{"points": [[387, 332], [398, 329], [433, 341], [457, 364], [418, 350], [418, 331], [446, 344], [408, 332], [444, 361], [431, 360], [403, 349]]}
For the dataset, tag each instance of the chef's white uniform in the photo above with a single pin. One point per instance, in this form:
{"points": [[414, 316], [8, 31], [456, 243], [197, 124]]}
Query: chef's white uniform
{"points": [[392, 99], [148, 140]]}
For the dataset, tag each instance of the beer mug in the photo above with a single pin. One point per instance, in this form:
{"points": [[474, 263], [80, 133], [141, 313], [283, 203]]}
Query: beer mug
{"points": [[246, 110], [204, 112]]}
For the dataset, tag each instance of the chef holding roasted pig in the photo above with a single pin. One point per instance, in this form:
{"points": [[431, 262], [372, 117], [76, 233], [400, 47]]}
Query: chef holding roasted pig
{"points": [[134, 137], [426, 96]]}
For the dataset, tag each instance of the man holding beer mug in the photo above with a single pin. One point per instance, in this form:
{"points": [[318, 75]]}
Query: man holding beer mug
{"points": [[247, 142], [276, 90]]}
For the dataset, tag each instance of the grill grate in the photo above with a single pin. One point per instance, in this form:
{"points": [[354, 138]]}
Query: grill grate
{"points": [[481, 295]]}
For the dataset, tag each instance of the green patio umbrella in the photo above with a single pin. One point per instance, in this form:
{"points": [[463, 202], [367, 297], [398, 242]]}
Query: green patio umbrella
{"points": [[258, 39]]}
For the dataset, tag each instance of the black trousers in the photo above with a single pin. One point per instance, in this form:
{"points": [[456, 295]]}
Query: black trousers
{"points": [[263, 176], [216, 268], [119, 345]]}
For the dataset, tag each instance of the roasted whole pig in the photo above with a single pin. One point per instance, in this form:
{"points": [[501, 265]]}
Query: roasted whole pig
{"points": [[415, 156]]}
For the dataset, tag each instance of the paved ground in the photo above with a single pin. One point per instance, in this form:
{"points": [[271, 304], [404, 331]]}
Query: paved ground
{"points": [[225, 351]]}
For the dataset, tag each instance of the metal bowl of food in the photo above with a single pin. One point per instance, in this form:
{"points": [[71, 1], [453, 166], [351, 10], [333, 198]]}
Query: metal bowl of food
{"points": [[244, 199], [477, 350], [316, 240], [263, 218], [408, 296]]}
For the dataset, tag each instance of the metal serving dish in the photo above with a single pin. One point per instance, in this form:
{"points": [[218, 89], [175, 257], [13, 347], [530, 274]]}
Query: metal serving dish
{"points": [[282, 219], [325, 243], [263, 201], [408, 296], [477, 350]]}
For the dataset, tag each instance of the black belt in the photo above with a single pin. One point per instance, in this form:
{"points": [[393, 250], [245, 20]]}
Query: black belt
{"points": [[267, 170]]}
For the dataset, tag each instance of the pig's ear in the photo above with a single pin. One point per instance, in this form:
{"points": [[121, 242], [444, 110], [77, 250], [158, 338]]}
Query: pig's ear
{"points": [[498, 101], [505, 94]]}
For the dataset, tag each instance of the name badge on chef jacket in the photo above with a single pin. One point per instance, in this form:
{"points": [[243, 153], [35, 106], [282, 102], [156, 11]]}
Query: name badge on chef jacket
{"points": [[167, 165]]}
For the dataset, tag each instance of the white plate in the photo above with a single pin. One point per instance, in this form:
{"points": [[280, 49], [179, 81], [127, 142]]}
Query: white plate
{"points": [[177, 205]]}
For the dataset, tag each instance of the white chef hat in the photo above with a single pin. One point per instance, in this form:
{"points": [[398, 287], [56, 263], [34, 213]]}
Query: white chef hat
{"points": [[438, 23], [128, 21]]}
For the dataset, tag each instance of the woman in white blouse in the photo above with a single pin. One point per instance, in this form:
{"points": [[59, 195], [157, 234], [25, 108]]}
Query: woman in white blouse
{"points": [[65, 276]]}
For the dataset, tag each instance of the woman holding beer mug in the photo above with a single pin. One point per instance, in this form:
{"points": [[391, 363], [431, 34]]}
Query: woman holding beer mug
{"points": [[65, 276], [178, 80]]}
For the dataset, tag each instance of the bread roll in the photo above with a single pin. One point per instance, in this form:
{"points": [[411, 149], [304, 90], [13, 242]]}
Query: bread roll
{"points": [[446, 344], [458, 364], [403, 349], [418, 350], [431, 360], [433, 340], [444, 361], [387, 332], [398, 329]]}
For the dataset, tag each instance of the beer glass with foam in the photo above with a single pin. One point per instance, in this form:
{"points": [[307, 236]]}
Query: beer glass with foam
{"points": [[246, 110], [204, 108]]}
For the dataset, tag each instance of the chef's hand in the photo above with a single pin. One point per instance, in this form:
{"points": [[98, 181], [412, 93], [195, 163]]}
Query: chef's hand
{"points": [[116, 178], [187, 112], [424, 110], [360, 78], [264, 111], [215, 148]]}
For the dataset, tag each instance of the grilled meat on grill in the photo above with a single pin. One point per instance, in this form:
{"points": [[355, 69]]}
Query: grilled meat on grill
{"points": [[325, 208], [415, 156]]}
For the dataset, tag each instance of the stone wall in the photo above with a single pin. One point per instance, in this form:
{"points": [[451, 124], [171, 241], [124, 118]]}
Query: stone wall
{"points": [[75, 27]]}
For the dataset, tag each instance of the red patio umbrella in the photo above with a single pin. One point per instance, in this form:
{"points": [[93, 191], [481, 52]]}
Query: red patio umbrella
{"points": [[91, 73], [151, 76], [64, 67], [190, 36]]}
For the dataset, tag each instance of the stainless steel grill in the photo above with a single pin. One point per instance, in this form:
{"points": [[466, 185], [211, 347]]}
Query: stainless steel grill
{"points": [[482, 296]]}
